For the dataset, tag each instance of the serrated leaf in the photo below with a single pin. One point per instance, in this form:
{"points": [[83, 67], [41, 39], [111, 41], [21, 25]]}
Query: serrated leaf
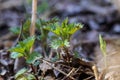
{"points": [[32, 57], [29, 42], [22, 47], [76, 27], [17, 49], [20, 72], [16, 55], [64, 30], [102, 45]]}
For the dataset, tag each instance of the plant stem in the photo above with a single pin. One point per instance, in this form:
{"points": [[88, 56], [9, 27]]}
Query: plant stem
{"points": [[33, 70], [32, 29], [33, 19]]}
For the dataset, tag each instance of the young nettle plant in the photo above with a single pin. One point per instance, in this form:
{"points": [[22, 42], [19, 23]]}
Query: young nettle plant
{"points": [[63, 33], [103, 49], [22, 49]]}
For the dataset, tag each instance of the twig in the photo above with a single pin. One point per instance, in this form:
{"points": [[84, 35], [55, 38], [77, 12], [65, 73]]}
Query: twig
{"points": [[77, 69], [58, 69], [95, 72], [72, 71]]}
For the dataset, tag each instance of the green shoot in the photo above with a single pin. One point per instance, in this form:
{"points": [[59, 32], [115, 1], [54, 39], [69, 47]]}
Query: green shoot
{"points": [[22, 49], [64, 31], [103, 49]]}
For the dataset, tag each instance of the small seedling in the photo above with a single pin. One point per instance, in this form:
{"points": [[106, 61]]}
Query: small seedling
{"points": [[63, 33], [103, 49], [22, 49]]}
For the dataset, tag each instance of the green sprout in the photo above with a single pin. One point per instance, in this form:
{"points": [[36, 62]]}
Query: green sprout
{"points": [[63, 31], [103, 49], [22, 49]]}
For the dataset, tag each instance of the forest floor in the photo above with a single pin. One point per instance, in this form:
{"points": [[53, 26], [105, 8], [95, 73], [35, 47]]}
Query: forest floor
{"points": [[97, 16]]}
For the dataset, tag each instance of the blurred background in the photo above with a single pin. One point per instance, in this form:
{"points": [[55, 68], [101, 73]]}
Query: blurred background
{"points": [[97, 16]]}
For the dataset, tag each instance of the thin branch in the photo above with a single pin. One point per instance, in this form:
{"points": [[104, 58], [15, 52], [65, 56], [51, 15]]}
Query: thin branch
{"points": [[73, 69]]}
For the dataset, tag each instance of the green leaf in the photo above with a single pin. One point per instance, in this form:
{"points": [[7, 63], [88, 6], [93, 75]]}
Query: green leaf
{"points": [[66, 43], [59, 43], [65, 22], [102, 45], [56, 44], [22, 47], [26, 25], [16, 55], [65, 30], [20, 72], [28, 43], [31, 77], [15, 30], [22, 77], [76, 27], [18, 49], [32, 57]]}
